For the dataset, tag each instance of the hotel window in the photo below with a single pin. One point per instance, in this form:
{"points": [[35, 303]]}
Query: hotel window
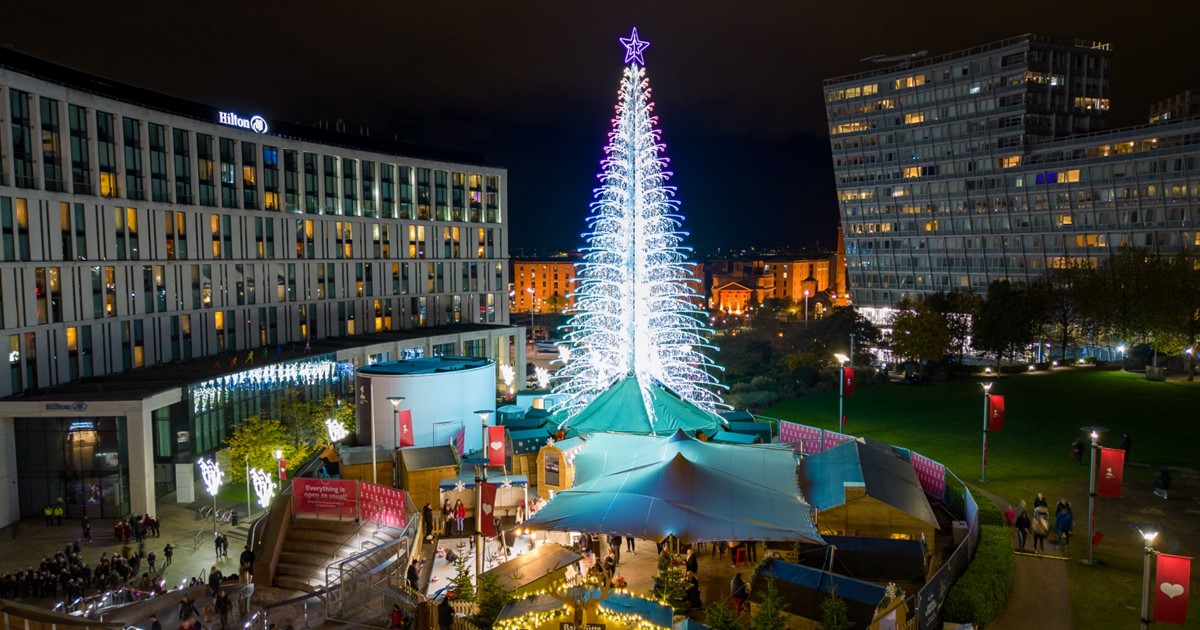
{"points": [[22, 140], [368, 189], [106, 150], [249, 176], [423, 194], [458, 196], [1010, 161], [440, 195], [160, 188], [221, 228], [344, 235], [183, 166], [404, 176], [305, 242], [912, 171], [416, 241], [451, 243], [264, 238], [229, 174], [475, 197], [912, 119], [349, 187], [81, 167], [331, 184], [493, 199], [134, 186], [910, 81], [853, 127], [291, 181], [205, 170], [270, 178], [387, 191], [52, 171], [312, 200]]}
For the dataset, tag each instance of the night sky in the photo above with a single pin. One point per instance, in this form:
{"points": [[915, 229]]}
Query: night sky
{"points": [[531, 85]]}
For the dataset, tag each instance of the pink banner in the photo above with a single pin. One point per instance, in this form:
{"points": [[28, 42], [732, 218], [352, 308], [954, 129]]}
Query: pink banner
{"points": [[931, 474], [813, 440], [328, 497], [382, 505]]}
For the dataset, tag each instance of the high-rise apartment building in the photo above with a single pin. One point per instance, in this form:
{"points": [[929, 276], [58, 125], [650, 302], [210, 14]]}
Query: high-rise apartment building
{"points": [[142, 235], [994, 162]]}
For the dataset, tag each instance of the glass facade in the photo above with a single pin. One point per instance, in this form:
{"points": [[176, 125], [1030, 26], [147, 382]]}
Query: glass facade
{"points": [[81, 461]]}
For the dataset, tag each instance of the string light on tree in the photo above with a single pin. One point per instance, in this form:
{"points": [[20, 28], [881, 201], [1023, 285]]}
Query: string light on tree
{"points": [[634, 312]]}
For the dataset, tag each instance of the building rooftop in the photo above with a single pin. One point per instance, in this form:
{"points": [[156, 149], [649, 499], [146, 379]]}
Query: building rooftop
{"points": [[148, 381], [425, 365]]}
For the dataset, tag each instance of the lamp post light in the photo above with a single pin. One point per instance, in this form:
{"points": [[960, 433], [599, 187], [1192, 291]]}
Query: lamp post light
{"points": [[480, 479], [806, 292], [987, 387], [532, 315], [1094, 433], [396, 400], [842, 359], [1149, 533], [210, 472]]}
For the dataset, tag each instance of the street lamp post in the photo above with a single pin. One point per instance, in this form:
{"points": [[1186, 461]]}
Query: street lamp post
{"points": [[396, 400], [1148, 535], [806, 292], [1094, 432], [249, 511], [842, 359], [480, 479], [532, 315], [987, 387], [279, 463]]}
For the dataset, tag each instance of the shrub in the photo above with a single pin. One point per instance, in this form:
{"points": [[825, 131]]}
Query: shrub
{"points": [[980, 593]]}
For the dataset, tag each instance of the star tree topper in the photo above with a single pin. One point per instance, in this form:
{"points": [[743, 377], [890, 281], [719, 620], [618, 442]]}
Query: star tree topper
{"points": [[634, 47]]}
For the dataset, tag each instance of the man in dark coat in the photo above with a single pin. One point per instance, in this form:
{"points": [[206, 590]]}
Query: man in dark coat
{"points": [[413, 576], [445, 614]]}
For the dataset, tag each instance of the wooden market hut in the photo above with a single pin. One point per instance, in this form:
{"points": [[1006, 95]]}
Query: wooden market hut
{"points": [[536, 570], [356, 464], [863, 488], [422, 468], [556, 466], [803, 590], [523, 447]]}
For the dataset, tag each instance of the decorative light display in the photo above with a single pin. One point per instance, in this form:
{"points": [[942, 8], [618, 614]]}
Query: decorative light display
{"points": [[214, 392], [264, 486], [633, 311], [543, 377], [211, 473], [337, 431], [508, 374], [575, 593]]}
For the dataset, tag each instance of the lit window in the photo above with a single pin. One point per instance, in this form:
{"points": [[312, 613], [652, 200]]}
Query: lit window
{"points": [[108, 184], [912, 171], [912, 119], [1010, 161]]}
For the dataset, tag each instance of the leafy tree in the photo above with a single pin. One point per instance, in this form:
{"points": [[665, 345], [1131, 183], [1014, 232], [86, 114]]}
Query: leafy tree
{"points": [[1176, 322], [492, 598], [1005, 320], [330, 407], [768, 615], [258, 438], [959, 309], [1120, 296], [463, 588], [719, 616], [1056, 297], [919, 332], [834, 614]]}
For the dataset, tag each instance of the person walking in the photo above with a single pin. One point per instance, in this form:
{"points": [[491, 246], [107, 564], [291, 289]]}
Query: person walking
{"points": [[1077, 451], [154, 623], [1125, 445], [445, 614], [413, 576], [86, 523], [629, 546], [737, 589], [1064, 522], [168, 551], [1041, 528], [150, 560], [1040, 501], [614, 543], [1023, 524]]}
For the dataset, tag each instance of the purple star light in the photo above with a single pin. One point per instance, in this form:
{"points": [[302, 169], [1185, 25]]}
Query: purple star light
{"points": [[634, 47]]}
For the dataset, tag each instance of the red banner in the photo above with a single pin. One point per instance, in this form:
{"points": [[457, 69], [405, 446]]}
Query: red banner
{"points": [[495, 446], [283, 470], [848, 381], [1112, 468], [460, 441], [326, 497], [995, 412], [405, 428], [487, 506], [1171, 588]]}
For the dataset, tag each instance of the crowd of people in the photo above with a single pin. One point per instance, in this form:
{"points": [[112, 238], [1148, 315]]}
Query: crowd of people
{"points": [[1038, 523], [66, 576]]}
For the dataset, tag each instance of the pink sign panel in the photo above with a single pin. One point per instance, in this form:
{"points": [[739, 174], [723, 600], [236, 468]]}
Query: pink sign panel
{"points": [[931, 474], [813, 440], [382, 505], [337, 497]]}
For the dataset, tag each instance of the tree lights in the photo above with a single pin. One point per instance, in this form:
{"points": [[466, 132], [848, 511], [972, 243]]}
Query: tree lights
{"points": [[633, 309]]}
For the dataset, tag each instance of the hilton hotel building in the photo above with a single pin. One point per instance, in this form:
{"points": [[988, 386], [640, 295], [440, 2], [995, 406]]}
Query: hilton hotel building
{"points": [[168, 268], [996, 162]]}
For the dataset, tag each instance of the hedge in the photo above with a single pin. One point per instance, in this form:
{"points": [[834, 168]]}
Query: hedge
{"points": [[979, 595]]}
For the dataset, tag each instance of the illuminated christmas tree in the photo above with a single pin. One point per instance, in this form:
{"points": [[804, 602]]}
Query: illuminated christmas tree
{"points": [[634, 313]]}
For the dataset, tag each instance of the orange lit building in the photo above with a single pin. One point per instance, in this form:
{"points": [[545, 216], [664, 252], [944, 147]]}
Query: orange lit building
{"points": [[736, 284], [548, 286]]}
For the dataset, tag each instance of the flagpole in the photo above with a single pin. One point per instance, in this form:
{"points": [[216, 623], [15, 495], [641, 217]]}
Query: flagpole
{"points": [[986, 399], [1092, 494], [1148, 536]]}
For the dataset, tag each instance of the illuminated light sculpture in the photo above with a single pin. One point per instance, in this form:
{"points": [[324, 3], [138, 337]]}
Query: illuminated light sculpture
{"points": [[508, 374], [634, 312], [543, 377], [210, 472], [337, 431], [264, 486]]}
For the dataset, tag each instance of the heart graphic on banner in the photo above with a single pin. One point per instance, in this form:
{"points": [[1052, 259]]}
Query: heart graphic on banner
{"points": [[1171, 590], [487, 509], [496, 445]]}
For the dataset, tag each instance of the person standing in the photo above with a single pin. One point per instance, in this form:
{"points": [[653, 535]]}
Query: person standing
{"points": [[1077, 451], [737, 588], [168, 551], [445, 614], [427, 520], [1041, 528], [86, 523], [413, 576], [397, 617], [460, 515], [1064, 522], [447, 517], [629, 545], [1022, 526], [246, 563], [1126, 444], [691, 563], [150, 560], [614, 543], [154, 624]]}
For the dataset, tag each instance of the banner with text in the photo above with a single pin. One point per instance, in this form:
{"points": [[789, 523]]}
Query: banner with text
{"points": [[325, 496]]}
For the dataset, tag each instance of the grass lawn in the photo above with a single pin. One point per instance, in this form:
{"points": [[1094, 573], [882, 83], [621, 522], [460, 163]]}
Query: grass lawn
{"points": [[1044, 414]]}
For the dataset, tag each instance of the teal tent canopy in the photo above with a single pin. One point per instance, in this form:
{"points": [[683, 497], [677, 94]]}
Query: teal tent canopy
{"points": [[651, 488], [623, 409]]}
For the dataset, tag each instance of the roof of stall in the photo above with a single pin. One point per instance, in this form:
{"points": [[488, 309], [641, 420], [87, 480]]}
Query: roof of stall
{"points": [[623, 409]]}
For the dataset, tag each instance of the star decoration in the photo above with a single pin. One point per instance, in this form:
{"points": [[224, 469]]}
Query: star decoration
{"points": [[634, 47], [507, 483], [460, 486]]}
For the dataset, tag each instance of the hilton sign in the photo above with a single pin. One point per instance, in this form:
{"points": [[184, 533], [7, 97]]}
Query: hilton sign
{"points": [[257, 124]]}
